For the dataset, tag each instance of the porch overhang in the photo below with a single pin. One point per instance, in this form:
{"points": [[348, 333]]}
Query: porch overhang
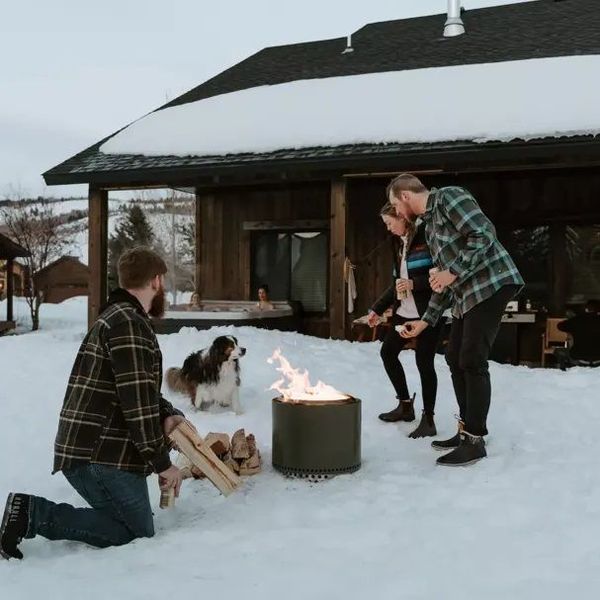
{"points": [[131, 171]]}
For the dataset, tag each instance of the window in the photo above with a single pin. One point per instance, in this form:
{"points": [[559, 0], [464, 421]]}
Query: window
{"points": [[583, 245], [293, 265], [529, 247]]}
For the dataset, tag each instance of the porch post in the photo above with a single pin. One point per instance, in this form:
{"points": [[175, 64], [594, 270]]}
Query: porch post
{"points": [[9, 289], [560, 268], [199, 272], [337, 255], [97, 250]]}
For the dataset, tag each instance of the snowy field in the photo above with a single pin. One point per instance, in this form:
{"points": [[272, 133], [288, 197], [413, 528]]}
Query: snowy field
{"points": [[160, 222], [523, 524]]}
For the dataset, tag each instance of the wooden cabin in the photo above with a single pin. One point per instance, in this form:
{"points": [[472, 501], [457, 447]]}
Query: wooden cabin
{"points": [[64, 278], [20, 277], [9, 251], [289, 153]]}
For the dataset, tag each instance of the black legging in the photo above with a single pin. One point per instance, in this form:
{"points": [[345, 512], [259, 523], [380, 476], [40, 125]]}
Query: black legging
{"points": [[425, 354]]}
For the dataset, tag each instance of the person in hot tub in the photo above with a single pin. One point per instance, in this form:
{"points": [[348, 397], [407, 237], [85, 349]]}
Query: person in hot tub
{"points": [[263, 298], [194, 302]]}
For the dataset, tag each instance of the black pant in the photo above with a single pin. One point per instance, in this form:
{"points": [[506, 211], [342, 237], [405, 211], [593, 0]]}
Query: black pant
{"points": [[424, 354], [469, 345]]}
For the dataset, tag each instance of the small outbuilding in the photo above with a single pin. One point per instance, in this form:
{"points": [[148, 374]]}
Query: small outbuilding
{"points": [[64, 278], [9, 250]]}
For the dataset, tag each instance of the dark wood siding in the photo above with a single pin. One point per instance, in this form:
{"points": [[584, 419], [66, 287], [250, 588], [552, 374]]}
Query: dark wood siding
{"points": [[510, 199], [225, 246]]}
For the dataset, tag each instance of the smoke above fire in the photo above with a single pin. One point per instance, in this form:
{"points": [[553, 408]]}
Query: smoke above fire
{"points": [[295, 385]]}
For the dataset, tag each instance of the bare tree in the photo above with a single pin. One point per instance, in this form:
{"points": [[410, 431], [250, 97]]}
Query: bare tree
{"points": [[39, 231]]}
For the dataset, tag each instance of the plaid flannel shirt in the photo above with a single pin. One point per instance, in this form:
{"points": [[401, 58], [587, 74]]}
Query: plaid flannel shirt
{"points": [[113, 409], [463, 240]]}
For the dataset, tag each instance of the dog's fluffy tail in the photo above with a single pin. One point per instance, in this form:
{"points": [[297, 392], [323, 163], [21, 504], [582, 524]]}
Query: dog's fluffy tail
{"points": [[176, 381]]}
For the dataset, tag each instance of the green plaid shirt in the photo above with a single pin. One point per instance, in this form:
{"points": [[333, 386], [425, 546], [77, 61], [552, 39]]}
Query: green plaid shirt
{"points": [[463, 240], [113, 409]]}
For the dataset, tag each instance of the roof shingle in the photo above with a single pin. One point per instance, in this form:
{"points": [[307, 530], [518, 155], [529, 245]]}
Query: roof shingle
{"points": [[535, 29]]}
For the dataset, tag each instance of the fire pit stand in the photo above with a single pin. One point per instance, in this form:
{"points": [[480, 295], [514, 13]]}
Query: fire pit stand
{"points": [[316, 439]]}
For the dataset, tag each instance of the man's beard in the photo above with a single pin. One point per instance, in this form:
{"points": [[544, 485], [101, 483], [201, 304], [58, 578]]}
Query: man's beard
{"points": [[157, 308], [405, 211]]}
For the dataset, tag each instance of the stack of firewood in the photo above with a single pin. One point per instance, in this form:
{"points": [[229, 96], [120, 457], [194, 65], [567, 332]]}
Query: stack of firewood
{"points": [[239, 453], [197, 459]]}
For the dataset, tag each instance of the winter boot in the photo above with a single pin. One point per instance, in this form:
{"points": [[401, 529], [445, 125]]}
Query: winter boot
{"points": [[426, 427], [405, 411], [471, 449], [14, 525], [453, 442]]}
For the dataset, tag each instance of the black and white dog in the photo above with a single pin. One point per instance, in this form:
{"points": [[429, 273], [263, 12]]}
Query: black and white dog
{"points": [[211, 377]]}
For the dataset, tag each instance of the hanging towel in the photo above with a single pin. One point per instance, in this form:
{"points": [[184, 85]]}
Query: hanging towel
{"points": [[351, 284]]}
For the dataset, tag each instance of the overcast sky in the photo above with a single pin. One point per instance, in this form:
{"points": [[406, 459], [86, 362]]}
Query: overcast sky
{"points": [[74, 71]]}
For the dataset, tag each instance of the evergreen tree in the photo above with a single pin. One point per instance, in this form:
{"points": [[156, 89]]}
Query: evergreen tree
{"points": [[133, 229], [187, 242]]}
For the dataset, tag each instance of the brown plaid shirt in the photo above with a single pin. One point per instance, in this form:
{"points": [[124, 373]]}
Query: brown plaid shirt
{"points": [[113, 409]]}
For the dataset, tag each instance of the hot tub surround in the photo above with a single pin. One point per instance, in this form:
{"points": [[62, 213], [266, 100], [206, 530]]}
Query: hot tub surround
{"points": [[213, 313]]}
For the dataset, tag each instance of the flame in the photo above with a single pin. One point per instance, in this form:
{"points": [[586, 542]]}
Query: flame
{"points": [[298, 386]]}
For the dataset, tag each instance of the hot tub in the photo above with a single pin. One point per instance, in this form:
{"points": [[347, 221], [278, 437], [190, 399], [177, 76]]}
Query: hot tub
{"points": [[212, 313]]}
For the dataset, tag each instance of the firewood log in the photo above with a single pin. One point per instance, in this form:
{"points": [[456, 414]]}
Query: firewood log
{"points": [[239, 445], [204, 459], [251, 466], [251, 440], [231, 463], [245, 472], [218, 442], [167, 498]]}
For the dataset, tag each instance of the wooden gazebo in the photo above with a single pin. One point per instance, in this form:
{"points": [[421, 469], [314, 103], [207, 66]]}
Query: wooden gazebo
{"points": [[323, 179], [9, 250]]}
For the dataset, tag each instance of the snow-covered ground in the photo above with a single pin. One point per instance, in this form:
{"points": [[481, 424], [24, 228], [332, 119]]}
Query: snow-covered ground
{"points": [[523, 524]]}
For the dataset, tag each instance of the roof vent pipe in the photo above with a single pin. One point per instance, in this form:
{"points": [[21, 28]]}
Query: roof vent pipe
{"points": [[349, 47], [454, 25]]}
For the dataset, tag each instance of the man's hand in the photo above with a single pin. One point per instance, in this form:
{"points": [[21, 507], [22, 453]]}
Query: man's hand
{"points": [[413, 329], [171, 478], [169, 425], [372, 319], [404, 285], [440, 280]]}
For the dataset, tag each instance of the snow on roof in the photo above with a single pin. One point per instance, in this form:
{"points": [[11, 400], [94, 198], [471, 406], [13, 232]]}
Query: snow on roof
{"points": [[482, 102]]}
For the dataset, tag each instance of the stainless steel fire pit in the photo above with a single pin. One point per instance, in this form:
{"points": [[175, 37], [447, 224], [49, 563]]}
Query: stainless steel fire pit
{"points": [[316, 438]]}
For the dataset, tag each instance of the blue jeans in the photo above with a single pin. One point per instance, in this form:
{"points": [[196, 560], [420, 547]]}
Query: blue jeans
{"points": [[120, 509]]}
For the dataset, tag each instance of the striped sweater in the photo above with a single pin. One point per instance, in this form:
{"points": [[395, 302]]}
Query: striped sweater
{"points": [[418, 263]]}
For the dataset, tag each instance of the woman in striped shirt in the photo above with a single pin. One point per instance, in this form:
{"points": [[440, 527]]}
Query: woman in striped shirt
{"points": [[412, 262]]}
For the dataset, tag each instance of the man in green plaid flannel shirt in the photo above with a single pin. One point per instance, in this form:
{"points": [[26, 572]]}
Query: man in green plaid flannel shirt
{"points": [[476, 277], [113, 424]]}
